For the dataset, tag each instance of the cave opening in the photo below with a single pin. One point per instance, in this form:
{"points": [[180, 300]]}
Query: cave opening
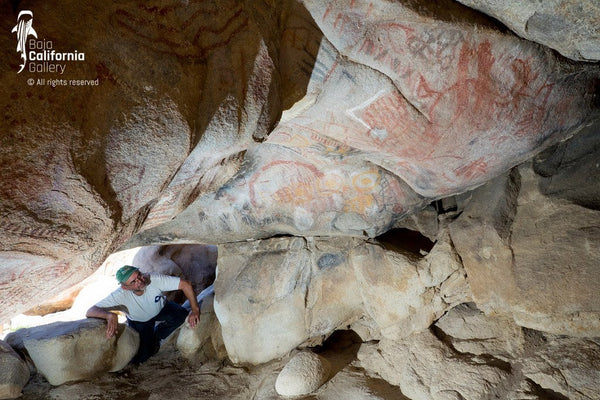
{"points": [[195, 263], [406, 241]]}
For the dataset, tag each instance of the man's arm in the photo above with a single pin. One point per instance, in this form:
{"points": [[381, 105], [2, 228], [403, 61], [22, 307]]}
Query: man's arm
{"points": [[188, 290], [111, 319]]}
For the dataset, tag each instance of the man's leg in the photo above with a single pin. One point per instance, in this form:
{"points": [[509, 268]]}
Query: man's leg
{"points": [[170, 318], [148, 341]]}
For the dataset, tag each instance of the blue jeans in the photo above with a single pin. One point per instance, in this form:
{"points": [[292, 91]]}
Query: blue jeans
{"points": [[153, 331]]}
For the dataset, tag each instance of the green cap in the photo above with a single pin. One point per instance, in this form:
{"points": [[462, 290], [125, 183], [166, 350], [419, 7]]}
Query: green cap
{"points": [[125, 272]]}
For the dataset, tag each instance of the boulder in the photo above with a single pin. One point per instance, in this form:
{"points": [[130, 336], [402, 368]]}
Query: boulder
{"points": [[14, 372], [76, 350], [274, 295], [271, 296], [303, 374], [205, 340]]}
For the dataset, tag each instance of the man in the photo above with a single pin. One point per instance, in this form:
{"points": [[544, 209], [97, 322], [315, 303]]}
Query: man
{"points": [[148, 312]]}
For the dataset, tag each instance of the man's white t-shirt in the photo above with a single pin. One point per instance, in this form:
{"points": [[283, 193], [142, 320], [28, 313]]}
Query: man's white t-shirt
{"points": [[148, 305]]}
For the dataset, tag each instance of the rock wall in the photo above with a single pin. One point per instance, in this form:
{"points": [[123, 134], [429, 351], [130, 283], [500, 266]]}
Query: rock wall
{"points": [[183, 91], [566, 26], [332, 123], [472, 356], [398, 115], [380, 119]]}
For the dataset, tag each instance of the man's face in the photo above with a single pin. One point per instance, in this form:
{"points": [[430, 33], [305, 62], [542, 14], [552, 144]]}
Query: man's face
{"points": [[136, 281]]}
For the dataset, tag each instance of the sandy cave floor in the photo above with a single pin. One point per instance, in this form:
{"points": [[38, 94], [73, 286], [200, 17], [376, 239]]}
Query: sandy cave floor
{"points": [[168, 375]]}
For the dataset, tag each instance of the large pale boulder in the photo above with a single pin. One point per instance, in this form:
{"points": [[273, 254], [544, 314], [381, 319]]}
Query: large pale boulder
{"points": [[14, 372], [529, 241], [76, 350], [274, 295]]}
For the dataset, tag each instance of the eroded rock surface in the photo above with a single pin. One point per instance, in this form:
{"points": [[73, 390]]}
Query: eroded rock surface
{"points": [[336, 122], [568, 26], [470, 355], [425, 368], [530, 249], [568, 366]]}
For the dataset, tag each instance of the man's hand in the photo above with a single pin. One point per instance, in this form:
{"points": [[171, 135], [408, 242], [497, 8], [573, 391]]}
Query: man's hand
{"points": [[193, 318], [112, 322], [187, 289]]}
